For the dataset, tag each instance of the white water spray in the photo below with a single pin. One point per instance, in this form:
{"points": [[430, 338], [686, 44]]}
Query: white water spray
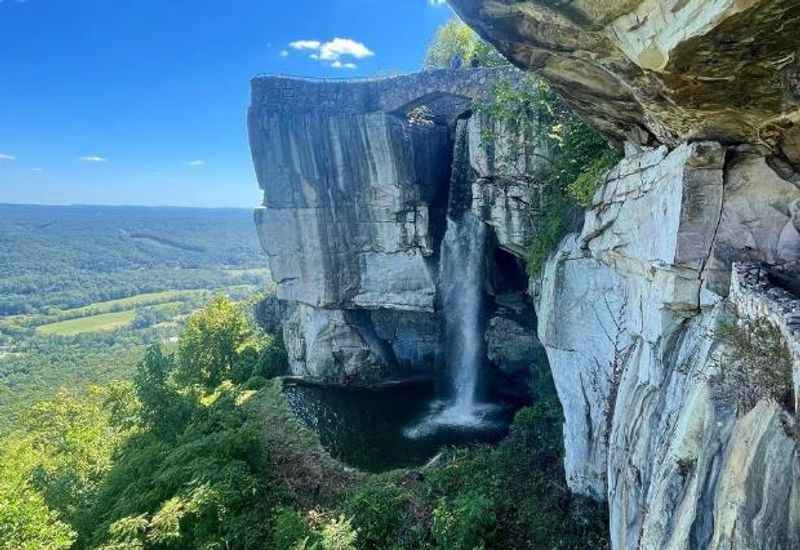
{"points": [[463, 271], [462, 274]]}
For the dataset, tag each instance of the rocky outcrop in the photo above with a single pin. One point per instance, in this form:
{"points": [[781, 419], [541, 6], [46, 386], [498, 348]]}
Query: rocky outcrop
{"points": [[358, 177], [663, 70], [347, 214], [512, 347], [630, 314], [695, 231], [507, 173]]}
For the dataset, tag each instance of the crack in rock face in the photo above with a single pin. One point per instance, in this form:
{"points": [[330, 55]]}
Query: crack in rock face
{"points": [[631, 313], [359, 180]]}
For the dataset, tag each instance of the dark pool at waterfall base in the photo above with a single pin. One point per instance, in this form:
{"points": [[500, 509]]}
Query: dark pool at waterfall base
{"points": [[379, 430]]}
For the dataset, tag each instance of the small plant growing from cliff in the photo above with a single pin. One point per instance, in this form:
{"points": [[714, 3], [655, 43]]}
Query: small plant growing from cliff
{"points": [[420, 116], [758, 367]]}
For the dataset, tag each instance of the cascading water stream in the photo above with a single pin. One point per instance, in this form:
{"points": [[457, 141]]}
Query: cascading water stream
{"points": [[462, 276], [463, 271]]}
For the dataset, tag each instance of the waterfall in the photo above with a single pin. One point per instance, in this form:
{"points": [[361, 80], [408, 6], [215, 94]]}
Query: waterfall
{"points": [[462, 275]]}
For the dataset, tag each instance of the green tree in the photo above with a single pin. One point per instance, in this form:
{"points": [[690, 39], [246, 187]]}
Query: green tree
{"points": [[214, 343], [164, 408], [26, 522], [456, 39], [52, 468]]}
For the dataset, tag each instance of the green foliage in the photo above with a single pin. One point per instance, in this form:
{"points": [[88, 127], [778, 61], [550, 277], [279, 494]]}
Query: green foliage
{"points": [[164, 408], [274, 359], [164, 462], [379, 511], [26, 522], [554, 221], [215, 341], [455, 39], [339, 534], [58, 460], [517, 488], [577, 156], [759, 367], [220, 343], [205, 487], [291, 530], [466, 522]]}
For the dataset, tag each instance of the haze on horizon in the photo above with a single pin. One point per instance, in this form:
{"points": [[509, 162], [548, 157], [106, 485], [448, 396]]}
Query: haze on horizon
{"points": [[144, 103]]}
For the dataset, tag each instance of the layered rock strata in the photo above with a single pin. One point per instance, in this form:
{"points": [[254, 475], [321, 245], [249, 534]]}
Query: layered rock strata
{"points": [[663, 70], [631, 314], [358, 178]]}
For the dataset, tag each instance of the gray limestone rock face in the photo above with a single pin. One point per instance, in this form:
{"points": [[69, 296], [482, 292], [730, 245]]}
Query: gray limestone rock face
{"points": [[630, 313], [356, 177], [324, 344], [663, 70], [506, 183], [757, 221], [414, 337], [510, 345], [346, 220]]}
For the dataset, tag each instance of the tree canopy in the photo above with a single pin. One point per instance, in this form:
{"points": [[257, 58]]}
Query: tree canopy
{"points": [[455, 40]]}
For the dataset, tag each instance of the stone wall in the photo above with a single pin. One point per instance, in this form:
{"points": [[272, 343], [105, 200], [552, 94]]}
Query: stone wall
{"points": [[757, 294]]}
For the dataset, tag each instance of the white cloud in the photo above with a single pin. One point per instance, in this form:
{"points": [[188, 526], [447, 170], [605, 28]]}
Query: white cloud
{"points": [[7, 157], [196, 163], [333, 51], [284, 53], [305, 44], [437, 2], [339, 47], [37, 170], [93, 158]]}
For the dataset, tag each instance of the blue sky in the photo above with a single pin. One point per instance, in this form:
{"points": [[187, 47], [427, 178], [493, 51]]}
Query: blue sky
{"points": [[143, 101]]}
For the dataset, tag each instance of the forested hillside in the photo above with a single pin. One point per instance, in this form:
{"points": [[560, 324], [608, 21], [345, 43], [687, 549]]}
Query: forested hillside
{"points": [[71, 256], [201, 450], [83, 289]]}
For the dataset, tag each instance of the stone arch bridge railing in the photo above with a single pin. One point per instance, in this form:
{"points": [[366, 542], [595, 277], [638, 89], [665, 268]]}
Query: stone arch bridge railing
{"points": [[392, 94]]}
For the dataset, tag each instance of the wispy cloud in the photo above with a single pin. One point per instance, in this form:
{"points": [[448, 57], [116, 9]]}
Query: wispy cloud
{"points": [[7, 157], [37, 170], [334, 52], [305, 44], [284, 53], [437, 2], [196, 163], [93, 158]]}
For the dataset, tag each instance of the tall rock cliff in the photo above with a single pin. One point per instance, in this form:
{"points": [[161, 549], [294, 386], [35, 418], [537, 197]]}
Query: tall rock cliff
{"points": [[358, 179], [677, 412]]}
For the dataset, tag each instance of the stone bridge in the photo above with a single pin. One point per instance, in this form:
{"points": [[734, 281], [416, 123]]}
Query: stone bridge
{"points": [[393, 94]]}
